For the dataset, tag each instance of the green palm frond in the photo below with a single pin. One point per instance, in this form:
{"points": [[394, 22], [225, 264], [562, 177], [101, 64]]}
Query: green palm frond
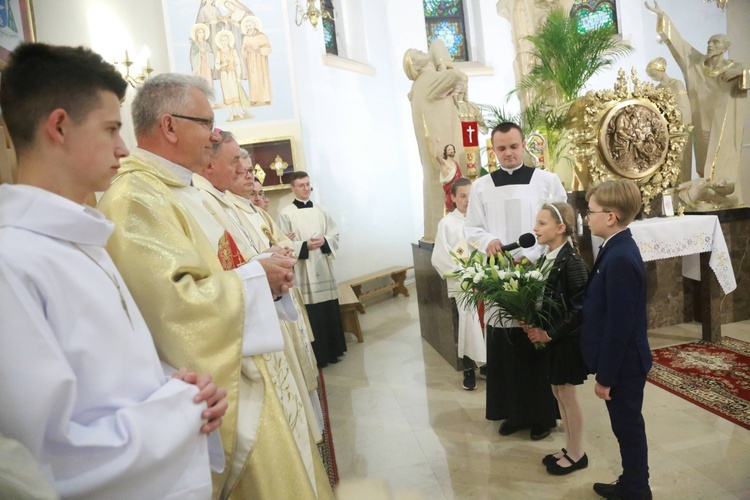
{"points": [[567, 59], [530, 119]]}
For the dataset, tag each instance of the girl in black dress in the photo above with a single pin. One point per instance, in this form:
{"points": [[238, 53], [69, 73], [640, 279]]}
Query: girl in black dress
{"points": [[566, 280]]}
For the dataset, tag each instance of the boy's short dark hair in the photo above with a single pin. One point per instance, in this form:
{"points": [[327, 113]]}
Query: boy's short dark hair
{"points": [[300, 174], [506, 127], [40, 78]]}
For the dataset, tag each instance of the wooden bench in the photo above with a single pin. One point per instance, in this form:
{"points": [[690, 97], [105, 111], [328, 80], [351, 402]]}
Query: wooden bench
{"points": [[349, 304], [397, 274]]}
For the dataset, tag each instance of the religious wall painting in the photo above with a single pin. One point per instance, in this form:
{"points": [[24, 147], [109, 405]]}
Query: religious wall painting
{"points": [[594, 14], [243, 54], [274, 161], [16, 26], [444, 20]]}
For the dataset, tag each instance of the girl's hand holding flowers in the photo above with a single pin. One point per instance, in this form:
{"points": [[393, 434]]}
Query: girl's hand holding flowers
{"points": [[536, 334]]}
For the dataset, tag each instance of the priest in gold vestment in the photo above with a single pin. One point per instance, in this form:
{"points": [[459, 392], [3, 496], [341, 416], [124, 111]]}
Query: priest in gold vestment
{"points": [[201, 315], [293, 367]]}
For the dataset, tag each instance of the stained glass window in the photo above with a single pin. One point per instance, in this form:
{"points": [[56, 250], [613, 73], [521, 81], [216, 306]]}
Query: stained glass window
{"points": [[594, 14], [329, 28], [444, 19]]}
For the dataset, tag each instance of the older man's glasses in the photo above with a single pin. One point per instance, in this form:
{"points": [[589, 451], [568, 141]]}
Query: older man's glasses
{"points": [[203, 121]]}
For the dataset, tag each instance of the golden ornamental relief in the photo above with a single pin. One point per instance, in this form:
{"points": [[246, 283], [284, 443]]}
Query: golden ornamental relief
{"points": [[633, 139], [634, 131]]}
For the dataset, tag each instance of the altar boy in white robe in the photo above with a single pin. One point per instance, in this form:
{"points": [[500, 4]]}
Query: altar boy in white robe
{"points": [[450, 238], [503, 206], [81, 385], [315, 237]]}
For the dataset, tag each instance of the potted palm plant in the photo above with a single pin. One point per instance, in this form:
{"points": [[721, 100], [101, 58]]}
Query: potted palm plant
{"points": [[565, 60]]}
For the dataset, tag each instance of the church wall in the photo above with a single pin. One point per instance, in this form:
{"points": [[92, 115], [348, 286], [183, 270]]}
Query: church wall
{"points": [[108, 27]]}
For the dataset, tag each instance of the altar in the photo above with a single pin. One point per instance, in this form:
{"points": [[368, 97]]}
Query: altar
{"points": [[692, 263]]}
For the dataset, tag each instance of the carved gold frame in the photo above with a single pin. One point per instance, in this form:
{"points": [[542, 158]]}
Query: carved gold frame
{"points": [[589, 137], [271, 146], [606, 154]]}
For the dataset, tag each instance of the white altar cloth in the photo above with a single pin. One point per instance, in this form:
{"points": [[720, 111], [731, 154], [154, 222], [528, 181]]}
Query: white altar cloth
{"points": [[686, 237]]}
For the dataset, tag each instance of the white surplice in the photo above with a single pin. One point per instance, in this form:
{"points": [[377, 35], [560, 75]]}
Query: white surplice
{"points": [[81, 385], [314, 275], [507, 210], [450, 235]]}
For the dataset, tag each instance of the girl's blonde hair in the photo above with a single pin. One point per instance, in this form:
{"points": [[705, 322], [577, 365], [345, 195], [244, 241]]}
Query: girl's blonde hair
{"points": [[563, 213]]}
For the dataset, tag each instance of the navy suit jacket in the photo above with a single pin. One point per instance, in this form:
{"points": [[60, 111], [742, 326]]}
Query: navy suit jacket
{"points": [[614, 341]]}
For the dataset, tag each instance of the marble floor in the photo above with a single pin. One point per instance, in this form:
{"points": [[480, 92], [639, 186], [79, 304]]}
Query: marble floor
{"points": [[401, 419]]}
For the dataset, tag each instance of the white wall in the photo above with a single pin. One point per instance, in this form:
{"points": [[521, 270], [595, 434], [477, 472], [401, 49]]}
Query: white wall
{"points": [[356, 128], [109, 27]]}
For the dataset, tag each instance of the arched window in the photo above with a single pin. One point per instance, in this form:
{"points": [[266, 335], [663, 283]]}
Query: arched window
{"points": [[329, 28], [444, 19], [594, 14]]}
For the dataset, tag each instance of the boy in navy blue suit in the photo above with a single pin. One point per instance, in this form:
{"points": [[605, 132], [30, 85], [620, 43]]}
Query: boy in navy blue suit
{"points": [[614, 343]]}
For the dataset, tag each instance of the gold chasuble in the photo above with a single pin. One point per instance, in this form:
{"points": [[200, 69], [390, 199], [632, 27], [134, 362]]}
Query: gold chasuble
{"points": [[196, 313], [265, 234], [284, 367]]}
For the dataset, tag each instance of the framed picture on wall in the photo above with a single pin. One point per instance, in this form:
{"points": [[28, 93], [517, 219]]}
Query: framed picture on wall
{"points": [[275, 159], [16, 26]]}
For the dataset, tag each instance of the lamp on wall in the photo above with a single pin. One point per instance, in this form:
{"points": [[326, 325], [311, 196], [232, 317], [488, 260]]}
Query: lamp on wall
{"points": [[136, 81], [719, 3], [312, 13]]}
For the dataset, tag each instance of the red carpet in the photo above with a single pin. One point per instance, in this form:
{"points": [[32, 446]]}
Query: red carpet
{"points": [[714, 376], [326, 447]]}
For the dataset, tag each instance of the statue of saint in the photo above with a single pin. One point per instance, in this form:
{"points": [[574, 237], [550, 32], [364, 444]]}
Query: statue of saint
{"points": [[704, 195], [435, 116], [717, 98], [657, 70], [450, 171]]}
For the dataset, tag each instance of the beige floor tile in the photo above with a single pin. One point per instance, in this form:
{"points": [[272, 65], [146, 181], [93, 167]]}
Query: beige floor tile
{"points": [[400, 416]]}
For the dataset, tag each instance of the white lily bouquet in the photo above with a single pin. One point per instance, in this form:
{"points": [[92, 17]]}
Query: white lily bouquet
{"points": [[516, 289]]}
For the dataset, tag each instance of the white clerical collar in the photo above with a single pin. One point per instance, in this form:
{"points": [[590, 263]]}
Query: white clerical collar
{"points": [[605, 241], [202, 183], [183, 174], [510, 171], [244, 200], [28, 207], [302, 201], [552, 254]]}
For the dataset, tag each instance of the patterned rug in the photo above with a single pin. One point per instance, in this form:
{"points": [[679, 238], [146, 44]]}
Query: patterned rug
{"points": [[326, 447], [714, 376]]}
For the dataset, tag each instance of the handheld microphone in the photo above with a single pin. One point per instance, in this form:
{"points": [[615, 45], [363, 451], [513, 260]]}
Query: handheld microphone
{"points": [[526, 240]]}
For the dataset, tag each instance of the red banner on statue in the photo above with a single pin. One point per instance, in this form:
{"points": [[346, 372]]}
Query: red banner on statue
{"points": [[470, 134]]}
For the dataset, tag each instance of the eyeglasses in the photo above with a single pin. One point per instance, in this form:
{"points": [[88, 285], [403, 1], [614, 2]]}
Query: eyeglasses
{"points": [[589, 212], [203, 121]]}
